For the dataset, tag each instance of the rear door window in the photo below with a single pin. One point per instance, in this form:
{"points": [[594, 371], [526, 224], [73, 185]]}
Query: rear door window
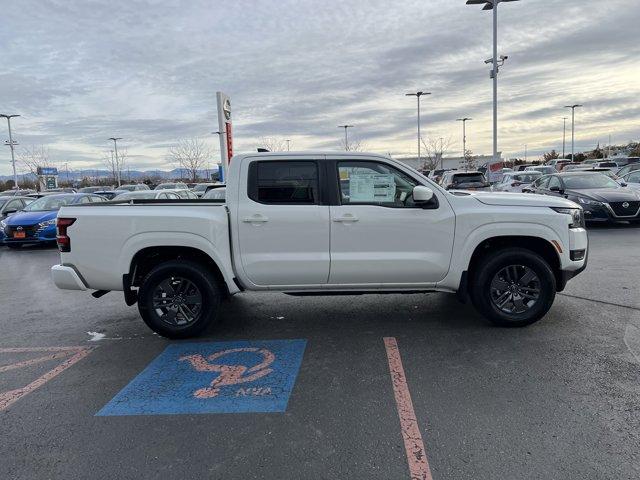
{"points": [[284, 182]]}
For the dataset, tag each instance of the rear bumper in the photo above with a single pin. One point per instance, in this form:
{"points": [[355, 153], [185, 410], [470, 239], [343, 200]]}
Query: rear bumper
{"points": [[66, 278]]}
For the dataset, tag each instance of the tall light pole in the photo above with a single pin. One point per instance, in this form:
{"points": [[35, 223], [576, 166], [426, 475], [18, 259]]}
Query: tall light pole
{"points": [[525, 153], [418, 95], [573, 127], [115, 147], [493, 5], [346, 136], [11, 144], [564, 135], [288, 145], [464, 137]]}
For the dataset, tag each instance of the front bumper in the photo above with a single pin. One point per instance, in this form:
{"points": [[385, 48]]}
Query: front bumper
{"points": [[33, 234], [66, 278], [609, 213]]}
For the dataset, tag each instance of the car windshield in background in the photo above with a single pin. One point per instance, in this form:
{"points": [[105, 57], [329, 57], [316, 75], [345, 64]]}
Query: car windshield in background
{"points": [[51, 203], [589, 180], [527, 177], [136, 195], [201, 187], [215, 194], [467, 178]]}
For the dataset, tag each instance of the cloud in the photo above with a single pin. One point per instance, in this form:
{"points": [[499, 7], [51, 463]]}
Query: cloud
{"points": [[79, 72]]}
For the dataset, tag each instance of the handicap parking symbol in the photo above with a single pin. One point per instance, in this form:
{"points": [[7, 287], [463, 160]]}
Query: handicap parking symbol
{"points": [[215, 377]]}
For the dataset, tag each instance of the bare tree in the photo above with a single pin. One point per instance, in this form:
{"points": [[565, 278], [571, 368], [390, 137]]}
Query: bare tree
{"points": [[435, 149], [115, 166], [34, 157], [190, 154], [470, 160], [273, 144], [353, 145]]}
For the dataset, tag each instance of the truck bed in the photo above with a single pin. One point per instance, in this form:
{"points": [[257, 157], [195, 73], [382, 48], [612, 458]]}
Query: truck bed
{"points": [[106, 236]]}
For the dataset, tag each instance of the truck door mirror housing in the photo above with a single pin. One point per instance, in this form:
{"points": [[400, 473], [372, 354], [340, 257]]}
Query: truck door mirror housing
{"points": [[555, 189], [422, 194]]}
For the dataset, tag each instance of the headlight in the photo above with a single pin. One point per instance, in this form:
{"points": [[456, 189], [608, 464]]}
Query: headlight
{"points": [[47, 223], [3, 224], [586, 201], [577, 216]]}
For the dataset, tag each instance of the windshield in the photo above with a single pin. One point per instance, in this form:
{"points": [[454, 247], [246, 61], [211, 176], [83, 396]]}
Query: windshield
{"points": [[134, 195], [591, 180], [51, 203], [216, 194], [527, 177], [200, 187], [467, 178], [166, 186], [129, 188]]}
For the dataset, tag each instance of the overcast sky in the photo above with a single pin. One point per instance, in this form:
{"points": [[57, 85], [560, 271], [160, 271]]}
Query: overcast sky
{"points": [[82, 71]]}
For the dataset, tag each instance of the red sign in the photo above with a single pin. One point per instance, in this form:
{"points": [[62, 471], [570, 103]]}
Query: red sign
{"points": [[229, 141]]}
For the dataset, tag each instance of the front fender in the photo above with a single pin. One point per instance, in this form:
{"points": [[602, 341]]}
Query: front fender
{"points": [[466, 243]]}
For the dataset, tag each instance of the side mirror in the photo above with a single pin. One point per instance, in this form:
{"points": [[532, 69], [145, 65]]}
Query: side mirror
{"points": [[10, 212], [422, 194], [623, 183], [554, 189]]}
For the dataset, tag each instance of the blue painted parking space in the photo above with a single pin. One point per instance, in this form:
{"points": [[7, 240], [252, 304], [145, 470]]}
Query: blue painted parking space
{"points": [[214, 377]]}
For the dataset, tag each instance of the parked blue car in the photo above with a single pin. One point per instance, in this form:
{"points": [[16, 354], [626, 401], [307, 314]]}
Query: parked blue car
{"points": [[36, 223]]}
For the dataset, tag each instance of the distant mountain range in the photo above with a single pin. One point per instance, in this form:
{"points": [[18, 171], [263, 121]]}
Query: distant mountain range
{"points": [[134, 175]]}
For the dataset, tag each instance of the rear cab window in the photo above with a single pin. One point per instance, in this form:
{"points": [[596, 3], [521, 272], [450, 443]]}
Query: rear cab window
{"points": [[286, 182]]}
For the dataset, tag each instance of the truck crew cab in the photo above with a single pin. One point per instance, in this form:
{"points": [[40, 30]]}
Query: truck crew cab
{"points": [[323, 223]]}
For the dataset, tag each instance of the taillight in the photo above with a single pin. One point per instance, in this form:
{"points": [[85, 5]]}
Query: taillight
{"points": [[63, 240]]}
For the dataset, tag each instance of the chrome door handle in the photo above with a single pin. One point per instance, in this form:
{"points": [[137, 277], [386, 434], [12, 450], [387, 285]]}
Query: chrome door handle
{"points": [[346, 218], [255, 219]]}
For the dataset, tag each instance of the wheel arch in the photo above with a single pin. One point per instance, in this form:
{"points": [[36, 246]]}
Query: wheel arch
{"points": [[145, 259], [538, 245]]}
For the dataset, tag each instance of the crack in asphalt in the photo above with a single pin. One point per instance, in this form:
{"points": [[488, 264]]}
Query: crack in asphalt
{"points": [[600, 301]]}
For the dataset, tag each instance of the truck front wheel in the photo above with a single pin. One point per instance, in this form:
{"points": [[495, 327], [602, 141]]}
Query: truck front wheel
{"points": [[513, 287], [179, 299]]}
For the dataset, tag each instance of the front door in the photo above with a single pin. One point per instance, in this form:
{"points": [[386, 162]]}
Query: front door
{"points": [[380, 236], [283, 228]]}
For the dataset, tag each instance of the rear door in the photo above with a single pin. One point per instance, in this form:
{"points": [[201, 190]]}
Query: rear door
{"points": [[379, 236], [283, 223]]}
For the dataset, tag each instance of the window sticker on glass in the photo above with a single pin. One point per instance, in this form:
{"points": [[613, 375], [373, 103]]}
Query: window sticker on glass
{"points": [[371, 187]]}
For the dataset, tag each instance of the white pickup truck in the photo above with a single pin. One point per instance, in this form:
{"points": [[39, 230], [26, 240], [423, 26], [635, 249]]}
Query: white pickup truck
{"points": [[322, 224]]}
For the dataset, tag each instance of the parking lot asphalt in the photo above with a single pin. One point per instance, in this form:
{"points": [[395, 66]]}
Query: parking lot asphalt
{"points": [[559, 399]]}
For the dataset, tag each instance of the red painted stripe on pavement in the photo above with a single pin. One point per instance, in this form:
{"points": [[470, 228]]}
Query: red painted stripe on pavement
{"points": [[9, 398], [413, 444], [34, 361]]}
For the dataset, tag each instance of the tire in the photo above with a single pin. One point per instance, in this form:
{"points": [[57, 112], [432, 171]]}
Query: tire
{"points": [[520, 272], [14, 246], [186, 288]]}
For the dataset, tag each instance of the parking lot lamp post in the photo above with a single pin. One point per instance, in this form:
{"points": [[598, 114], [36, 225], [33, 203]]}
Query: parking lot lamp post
{"points": [[525, 153], [418, 95], [564, 135], [12, 145], [464, 137], [493, 5], [288, 145], [573, 127], [115, 147], [346, 136]]}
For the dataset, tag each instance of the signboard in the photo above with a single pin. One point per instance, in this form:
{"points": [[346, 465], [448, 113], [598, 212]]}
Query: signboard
{"points": [[371, 187], [494, 171], [51, 183], [215, 377], [225, 127], [47, 171]]}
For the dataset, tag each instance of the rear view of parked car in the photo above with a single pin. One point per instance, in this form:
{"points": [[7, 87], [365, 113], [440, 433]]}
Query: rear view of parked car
{"points": [[455, 180], [516, 181]]}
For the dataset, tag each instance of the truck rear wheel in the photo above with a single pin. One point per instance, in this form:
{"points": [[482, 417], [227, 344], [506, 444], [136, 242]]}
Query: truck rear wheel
{"points": [[179, 299], [513, 287]]}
